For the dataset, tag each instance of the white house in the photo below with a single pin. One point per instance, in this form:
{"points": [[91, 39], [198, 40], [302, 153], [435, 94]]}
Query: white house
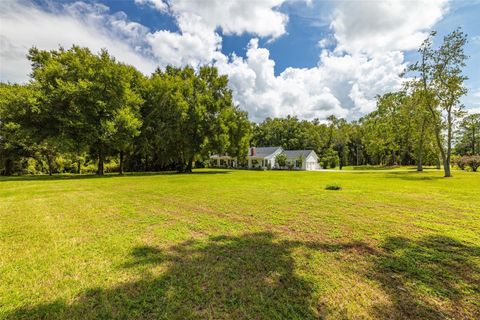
{"points": [[263, 157], [266, 158], [302, 159]]}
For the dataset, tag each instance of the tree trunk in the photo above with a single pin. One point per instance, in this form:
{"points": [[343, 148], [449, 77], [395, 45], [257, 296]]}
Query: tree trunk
{"points": [[473, 140], [79, 166], [446, 167], [420, 158], [121, 163], [420, 146], [8, 167], [446, 159], [357, 156], [101, 160], [188, 169], [442, 152], [49, 162]]}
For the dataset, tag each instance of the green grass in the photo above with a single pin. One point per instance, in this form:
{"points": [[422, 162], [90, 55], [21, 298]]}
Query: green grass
{"points": [[241, 245]]}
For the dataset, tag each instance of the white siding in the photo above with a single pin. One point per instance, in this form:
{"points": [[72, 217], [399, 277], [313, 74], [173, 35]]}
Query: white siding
{"points": [[311, 163]]}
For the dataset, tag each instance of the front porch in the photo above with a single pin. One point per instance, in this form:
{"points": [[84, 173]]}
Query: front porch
{"points": [[224, 162], [259, 163]]}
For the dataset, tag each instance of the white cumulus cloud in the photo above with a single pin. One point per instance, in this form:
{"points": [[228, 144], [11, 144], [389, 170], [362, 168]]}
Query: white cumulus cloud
{"points": [[343, 86], [374, 25], [233, 17], [24, 25]]}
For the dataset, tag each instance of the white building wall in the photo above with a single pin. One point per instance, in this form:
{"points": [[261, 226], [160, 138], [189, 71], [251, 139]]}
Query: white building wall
{"points": [[311, 163]]}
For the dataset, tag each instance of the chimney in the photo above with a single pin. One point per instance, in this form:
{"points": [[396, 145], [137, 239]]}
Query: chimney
{"points": [[253, 151]]}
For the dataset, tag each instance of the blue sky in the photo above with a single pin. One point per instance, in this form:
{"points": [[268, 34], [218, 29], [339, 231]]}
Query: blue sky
{"points": [[305, 58]]}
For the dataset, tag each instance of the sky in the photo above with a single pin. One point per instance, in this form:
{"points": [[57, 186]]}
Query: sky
{"points": [[309, 59]]}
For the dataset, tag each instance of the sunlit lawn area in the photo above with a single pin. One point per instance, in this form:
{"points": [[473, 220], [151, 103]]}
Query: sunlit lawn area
{"points": [[221, 244]]}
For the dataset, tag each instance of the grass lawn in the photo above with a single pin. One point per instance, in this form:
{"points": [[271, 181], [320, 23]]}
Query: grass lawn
{"points": [[221, 244]]}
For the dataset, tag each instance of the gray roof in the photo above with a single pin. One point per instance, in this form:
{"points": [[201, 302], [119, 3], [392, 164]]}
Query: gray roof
{"points": [[297, 153], [262, 152]]}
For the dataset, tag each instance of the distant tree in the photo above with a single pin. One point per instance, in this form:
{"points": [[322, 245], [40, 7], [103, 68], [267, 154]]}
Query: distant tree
{"points": [[355, 146], [289, 133], [469, 135], [339, 138], [440, 73], [85, 108], [18, 107], [239, 132], [329, 159], [125, 126], [189, 115], [419, 116]]}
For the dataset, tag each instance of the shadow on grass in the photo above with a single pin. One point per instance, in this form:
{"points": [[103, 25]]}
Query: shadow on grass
{"points": [[435, 277], [106, 176], [246, 277], [253, 276]]}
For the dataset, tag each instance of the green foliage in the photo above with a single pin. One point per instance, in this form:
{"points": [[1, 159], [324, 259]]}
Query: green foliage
{"points": [[441, 85], [189, 115], [329, 159], [83, 109], [281, 160], [300, 161], [468, 141], [290, 133], [81, 103], [18, 109]]}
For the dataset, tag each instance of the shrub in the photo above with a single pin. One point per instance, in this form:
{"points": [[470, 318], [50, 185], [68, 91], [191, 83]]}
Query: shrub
{"points": [[333, 186], [473, 162], [111, 166], [334, 162], [281, 160], [461, 162], [200, 164]]}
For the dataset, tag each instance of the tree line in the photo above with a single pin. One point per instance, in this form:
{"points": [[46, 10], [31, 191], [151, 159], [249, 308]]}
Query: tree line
{"points": [[87, 112], [82, 110], [424, 123]]}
